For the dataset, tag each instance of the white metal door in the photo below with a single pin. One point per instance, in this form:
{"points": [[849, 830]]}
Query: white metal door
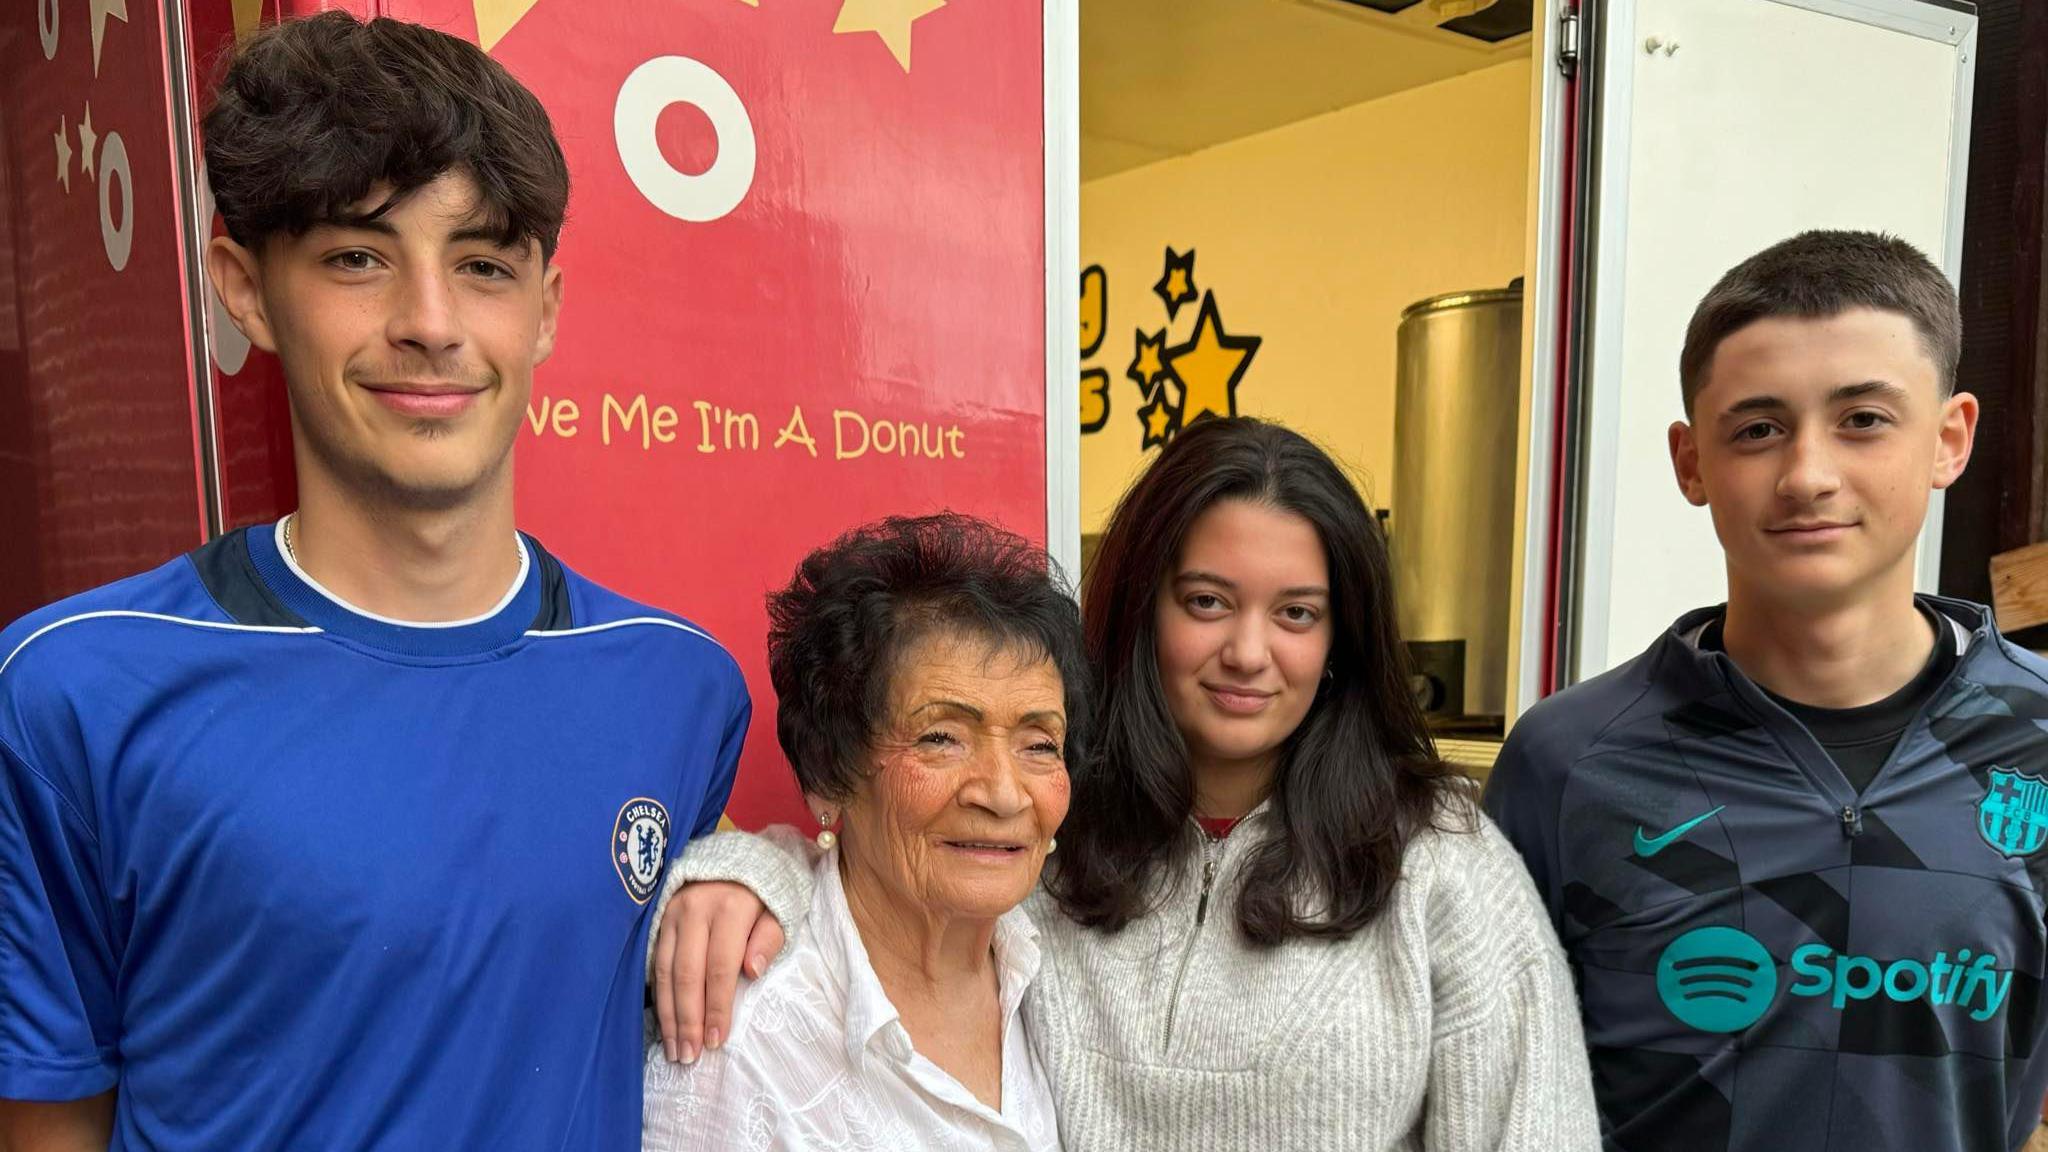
{"points": [[1717, 128]]}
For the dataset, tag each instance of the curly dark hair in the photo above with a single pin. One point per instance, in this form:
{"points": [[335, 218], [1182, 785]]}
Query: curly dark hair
{"points": [[838, 632], [1356, 780], [312, 113]]}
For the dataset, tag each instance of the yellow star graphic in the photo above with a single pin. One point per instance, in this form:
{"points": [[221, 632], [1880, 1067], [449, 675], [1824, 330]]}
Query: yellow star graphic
{"points": [[63, 154], [87, 141], [1209, 366], [494, 18], [889, 19], [248, 17], [1156, 420], [1176, 284], [1147, 366], [99, 11]]}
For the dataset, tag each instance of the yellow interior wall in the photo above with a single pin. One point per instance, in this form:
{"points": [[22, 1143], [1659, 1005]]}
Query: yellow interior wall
{"points": [[1313, 237]]}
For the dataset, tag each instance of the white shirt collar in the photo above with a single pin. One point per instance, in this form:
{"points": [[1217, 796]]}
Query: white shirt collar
{"points": [[512, 593], [872, 1022]]}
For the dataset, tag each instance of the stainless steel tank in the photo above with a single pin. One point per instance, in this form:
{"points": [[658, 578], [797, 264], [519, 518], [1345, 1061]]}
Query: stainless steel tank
{"points": [[1457, 393]]}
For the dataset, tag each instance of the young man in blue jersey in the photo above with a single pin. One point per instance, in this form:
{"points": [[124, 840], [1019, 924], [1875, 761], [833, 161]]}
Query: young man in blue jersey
{"points": [[1796, 850], [341, 832]]}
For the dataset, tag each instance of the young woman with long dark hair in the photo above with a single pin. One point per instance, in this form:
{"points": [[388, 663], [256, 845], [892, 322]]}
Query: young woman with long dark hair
{"points": [[1275, 919], [1240, 615]]}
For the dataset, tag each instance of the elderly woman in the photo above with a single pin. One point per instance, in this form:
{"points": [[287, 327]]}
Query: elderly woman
{"points": [[931, 685], [1279, 920]]}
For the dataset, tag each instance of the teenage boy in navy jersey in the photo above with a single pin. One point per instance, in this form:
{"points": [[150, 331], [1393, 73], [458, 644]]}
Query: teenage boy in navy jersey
{"points": [[1796, 849], [340, 832]]}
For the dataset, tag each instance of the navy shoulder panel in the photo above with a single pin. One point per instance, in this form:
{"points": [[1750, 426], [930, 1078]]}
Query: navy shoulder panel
{"points": [[230, 578], [556, 614]]}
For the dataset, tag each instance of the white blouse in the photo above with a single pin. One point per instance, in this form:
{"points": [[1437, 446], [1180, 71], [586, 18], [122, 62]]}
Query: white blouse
{"points": [[819, 1058]]}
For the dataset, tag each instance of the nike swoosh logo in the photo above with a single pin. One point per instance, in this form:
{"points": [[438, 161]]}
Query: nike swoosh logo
{"points": [[1648, 846]]}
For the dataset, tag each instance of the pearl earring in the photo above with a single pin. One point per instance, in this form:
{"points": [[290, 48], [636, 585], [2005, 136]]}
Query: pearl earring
{"points": [[1052, 845], [826, 837]]}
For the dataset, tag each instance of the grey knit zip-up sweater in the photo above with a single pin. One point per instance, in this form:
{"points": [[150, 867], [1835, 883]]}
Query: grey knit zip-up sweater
{"points": [[1449, 1024]]}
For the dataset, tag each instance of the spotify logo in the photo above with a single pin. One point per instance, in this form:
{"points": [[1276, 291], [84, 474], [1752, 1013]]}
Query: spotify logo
{"points": [[1717, 979]]}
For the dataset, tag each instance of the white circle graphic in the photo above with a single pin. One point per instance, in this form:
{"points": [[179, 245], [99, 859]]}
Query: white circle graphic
{"points": [[652, 87], [229, 346], [113, 165], [46, 27]]}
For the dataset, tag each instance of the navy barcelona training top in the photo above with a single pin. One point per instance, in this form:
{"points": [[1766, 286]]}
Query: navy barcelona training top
{"points": [[1766, 959]]}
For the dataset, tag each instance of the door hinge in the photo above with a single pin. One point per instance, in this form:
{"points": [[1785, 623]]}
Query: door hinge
{"points": [[1568, 41]]}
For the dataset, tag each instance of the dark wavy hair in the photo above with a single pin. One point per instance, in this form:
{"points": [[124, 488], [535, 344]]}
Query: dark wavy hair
{"points": [[1356, 780], [312, 113], [837, 633]]}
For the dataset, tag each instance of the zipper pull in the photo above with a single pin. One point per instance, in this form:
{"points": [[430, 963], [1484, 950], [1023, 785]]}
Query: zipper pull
{"points": [[1208, 876], [1852, 823]]}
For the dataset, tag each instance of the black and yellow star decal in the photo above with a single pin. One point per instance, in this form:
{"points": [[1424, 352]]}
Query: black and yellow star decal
{"points": [[1160, 420], [1177, 284], [1209, 366]]}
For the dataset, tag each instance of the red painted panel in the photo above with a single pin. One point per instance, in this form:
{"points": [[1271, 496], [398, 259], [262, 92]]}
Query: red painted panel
{"points": [[878, 266], [252, 420], [98, 465], [884, 267]]}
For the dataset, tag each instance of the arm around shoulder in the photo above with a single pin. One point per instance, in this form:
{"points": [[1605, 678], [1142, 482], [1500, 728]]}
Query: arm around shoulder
{"points": [[774, 864], [727, 906]]}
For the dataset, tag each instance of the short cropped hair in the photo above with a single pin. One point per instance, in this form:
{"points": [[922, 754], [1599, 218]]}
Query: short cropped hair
{"points": [[1819, 274], [312, 113], [839, 631]]}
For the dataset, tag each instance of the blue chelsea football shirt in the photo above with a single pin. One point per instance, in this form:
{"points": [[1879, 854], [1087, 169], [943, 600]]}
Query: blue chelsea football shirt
{"points": [[289, 875]]}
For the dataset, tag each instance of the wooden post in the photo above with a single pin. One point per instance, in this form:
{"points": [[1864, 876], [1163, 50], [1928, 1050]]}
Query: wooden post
{"points": [[2001, 502], [2023, 503], [2019, 588]]}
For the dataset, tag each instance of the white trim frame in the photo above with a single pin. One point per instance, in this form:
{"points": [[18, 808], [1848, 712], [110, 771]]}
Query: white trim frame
{"points": [[1963, 26], [183, 100], [1593, 567], [1542, 312], [1062, 84]]}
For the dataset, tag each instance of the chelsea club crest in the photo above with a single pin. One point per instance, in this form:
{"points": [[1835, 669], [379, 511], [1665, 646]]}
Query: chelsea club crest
{"points": [[640, 846], [2013, 816]]}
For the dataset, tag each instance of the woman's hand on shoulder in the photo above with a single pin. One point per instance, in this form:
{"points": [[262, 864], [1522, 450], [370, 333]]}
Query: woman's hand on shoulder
{"points": [[710, 933]]}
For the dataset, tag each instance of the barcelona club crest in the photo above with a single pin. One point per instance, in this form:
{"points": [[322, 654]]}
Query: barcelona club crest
{"points": [[640, 846], [2013, 816]]}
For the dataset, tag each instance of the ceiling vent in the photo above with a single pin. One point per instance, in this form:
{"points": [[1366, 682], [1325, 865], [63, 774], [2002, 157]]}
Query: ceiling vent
{"points": [[1475, 23], [1494, 23]]}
